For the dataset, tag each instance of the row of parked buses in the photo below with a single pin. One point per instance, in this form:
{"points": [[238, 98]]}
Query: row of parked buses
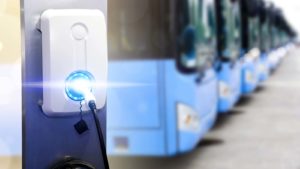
{"points": [[175, 64]]}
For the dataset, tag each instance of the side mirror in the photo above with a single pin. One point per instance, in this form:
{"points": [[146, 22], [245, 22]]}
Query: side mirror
{"points": [[187, 60]]}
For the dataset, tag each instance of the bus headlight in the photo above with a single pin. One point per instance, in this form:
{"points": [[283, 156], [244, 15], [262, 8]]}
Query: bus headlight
{"points": [[224, 90], [250, 78], [188, 118], [262, 69]]}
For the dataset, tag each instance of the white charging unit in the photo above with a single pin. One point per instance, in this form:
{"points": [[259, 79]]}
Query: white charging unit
{"points": [[74, 43]]}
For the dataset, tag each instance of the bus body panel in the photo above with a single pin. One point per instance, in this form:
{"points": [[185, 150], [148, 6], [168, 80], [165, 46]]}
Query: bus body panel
{"points": [[194, 103], [274, 58], [264, 68], [249, 76], [150, 138], [134, 91], [229, 85], [135, 119], [136, 142]]}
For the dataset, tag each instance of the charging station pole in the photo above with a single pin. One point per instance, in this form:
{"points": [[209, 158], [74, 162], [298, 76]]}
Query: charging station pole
{"points": [[48, 139]]}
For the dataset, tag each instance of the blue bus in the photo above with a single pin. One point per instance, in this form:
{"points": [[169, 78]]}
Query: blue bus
{"points": [[265, 40], [285, 34], [282, 37], [277, 52], [250, 45], [229, 66], [163, 88]]}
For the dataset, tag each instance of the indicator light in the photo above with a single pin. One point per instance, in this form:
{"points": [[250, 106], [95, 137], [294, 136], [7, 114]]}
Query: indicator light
{"points": [[78, 84]]}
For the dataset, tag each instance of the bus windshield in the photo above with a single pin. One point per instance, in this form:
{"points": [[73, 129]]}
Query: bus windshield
{"points": [[236, 34], [151, 29], [139, 29], [229, 40], [253, 32], [201, 16], [209, 23], [265, 41]]}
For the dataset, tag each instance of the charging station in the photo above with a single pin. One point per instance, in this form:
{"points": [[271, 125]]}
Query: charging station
{"points": [[74, 56], [64, 84]]}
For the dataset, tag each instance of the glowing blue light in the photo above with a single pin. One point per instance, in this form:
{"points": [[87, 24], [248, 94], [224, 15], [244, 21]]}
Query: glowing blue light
{"points": [[77, 84]]}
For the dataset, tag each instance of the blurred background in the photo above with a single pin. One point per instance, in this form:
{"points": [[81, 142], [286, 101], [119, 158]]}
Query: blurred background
{"points": [[10, 85], [291, 10]]}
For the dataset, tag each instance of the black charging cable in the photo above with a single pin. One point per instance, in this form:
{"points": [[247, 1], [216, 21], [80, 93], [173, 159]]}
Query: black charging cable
{"points": [[81, 127], [93, 107]]}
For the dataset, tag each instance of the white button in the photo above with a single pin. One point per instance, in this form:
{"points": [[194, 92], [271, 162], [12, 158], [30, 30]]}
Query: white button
{"points": [[79, 31]]}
